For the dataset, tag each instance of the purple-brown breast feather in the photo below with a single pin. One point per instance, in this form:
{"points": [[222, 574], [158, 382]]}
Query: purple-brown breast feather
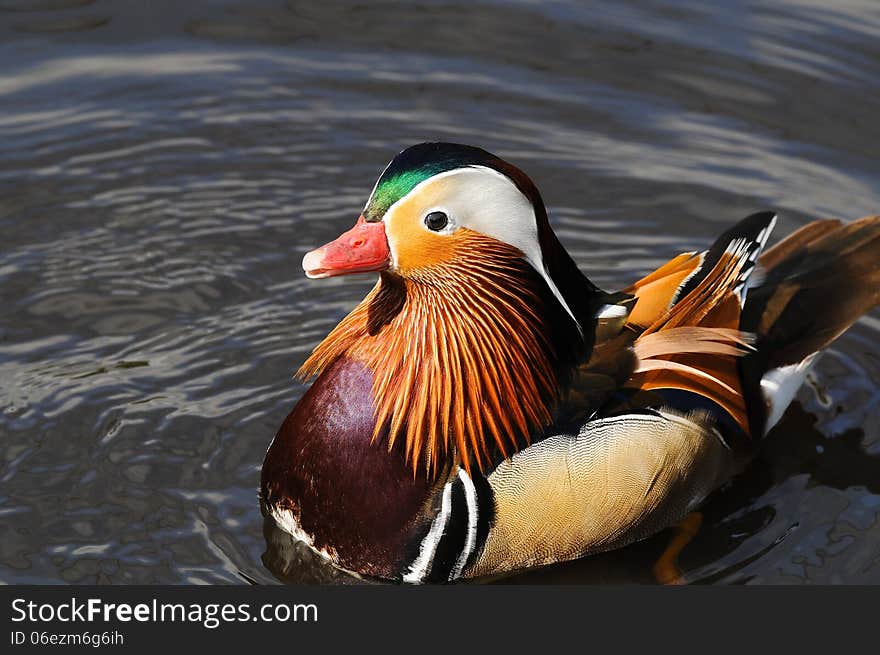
{"points": [[354, 498]]}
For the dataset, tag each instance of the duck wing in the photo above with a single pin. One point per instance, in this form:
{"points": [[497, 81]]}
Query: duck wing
{"points": [[654, 449], [681, 333]]}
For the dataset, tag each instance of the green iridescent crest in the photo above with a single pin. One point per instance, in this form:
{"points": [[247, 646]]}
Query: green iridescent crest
{"points": [[418, 163], [392, 189]]}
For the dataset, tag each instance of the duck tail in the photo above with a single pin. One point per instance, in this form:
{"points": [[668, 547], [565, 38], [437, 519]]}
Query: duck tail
{"points": [[815, 284]]}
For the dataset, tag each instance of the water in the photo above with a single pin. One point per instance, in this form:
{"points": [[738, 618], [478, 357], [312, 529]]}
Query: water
{"points": [[165, 165]]}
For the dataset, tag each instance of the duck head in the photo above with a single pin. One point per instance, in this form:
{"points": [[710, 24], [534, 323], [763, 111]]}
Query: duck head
{"points": [[479, 315], [425, 209]]}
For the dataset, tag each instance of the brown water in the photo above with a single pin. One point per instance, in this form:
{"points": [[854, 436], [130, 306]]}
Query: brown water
{"points": [[165, 165]]}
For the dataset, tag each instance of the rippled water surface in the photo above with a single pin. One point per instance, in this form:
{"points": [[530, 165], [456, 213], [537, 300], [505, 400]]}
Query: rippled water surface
{"points": [[165, 165]]}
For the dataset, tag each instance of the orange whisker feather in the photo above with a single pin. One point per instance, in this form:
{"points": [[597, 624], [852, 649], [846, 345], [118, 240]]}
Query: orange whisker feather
{"points": [[465, 363]]}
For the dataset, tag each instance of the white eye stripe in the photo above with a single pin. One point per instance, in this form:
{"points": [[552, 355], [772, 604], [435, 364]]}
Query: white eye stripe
{"points": [[486, 201]]}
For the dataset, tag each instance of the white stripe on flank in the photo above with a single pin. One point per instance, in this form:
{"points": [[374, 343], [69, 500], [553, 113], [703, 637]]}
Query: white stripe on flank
{"points": [[419, 568], [470, 495]]}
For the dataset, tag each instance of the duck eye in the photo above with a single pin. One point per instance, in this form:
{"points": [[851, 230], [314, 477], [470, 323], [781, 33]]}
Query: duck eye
{"points": [[436, 221]]}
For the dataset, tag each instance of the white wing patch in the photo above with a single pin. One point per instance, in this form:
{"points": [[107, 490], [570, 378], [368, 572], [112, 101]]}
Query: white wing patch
{"points": [[780, 385], [752, 269]]}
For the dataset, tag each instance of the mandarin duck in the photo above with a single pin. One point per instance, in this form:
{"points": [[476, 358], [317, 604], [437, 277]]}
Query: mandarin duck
{"points": [[487, 409]]}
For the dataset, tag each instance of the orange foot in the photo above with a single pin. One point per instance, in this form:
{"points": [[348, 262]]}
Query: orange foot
{"points": [[666, 569]]}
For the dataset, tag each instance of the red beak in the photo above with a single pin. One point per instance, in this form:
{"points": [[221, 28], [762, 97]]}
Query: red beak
{"points": [[363, 248]]}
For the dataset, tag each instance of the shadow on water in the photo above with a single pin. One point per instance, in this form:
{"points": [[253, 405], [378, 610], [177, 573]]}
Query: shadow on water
{"points": [[164, 166]]}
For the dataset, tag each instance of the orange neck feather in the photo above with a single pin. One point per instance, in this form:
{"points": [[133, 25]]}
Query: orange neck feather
{"points": [[462, 355]]}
